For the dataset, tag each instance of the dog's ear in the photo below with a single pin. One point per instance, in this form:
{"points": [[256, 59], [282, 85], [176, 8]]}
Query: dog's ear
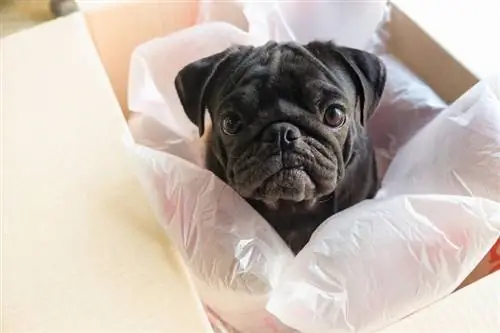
{"points": [[372, 75], [193, 85], [368, 72]]}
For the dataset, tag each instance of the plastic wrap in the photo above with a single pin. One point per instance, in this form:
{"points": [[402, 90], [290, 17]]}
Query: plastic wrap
{"points": [[407, 105], [300, 21], [382, 260], [236, 259]]}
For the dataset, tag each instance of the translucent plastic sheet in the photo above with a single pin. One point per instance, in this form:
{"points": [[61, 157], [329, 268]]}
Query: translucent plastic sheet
{"points": [[301, 21], [407, 105], [374, 264], [409, 238]]}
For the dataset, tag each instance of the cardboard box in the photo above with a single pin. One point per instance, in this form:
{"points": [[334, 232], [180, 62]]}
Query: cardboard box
{"points": [[81, 250]]}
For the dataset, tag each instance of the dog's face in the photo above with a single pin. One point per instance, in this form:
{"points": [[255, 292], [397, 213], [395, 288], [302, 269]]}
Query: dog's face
{"points": [[284, 116]]}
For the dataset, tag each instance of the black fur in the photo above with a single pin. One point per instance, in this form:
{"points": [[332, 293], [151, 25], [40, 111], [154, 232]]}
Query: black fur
{"points": [[293, 166]]}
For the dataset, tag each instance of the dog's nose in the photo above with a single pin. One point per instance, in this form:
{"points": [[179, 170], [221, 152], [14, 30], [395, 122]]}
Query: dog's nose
{"points": [[289, 134], [285, 133]]}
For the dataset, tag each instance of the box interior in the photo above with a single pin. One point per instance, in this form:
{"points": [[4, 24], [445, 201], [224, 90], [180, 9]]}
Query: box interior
{"points": [[133, 24]]}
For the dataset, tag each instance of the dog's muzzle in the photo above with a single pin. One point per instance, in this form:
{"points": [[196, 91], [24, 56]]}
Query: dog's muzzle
{"points": [[281, 165]]}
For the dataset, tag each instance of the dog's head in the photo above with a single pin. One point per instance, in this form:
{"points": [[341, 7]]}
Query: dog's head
{"points": [[284, 116]]}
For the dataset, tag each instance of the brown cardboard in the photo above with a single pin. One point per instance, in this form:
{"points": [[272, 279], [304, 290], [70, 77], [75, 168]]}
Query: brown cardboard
{"points": [[475, 309], [489, 265], [133, 24], [466, 30], [81, 249]]}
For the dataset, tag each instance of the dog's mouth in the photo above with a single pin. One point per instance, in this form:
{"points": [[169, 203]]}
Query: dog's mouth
{"points": [[296, 176], [286, 184]]}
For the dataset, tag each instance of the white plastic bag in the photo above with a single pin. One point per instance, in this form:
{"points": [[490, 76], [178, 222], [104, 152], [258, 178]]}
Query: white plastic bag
{"points": [[407, 105], [348, 22], [457, 153], [380, 261], [436, 216]]}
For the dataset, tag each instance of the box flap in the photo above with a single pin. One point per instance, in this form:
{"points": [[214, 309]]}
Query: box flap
{"points": [[476, 308], [427, 58], [133, 24], [467, 31], [81, 250]]}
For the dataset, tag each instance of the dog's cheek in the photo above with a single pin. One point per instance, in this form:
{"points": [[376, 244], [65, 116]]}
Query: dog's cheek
{"points": [[348, 146]]}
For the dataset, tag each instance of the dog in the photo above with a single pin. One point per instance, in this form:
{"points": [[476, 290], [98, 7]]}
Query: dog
{"points": [[288, 128]]}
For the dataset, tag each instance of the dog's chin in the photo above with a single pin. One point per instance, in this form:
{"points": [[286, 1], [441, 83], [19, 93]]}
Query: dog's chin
{"points": [[287, 186]]}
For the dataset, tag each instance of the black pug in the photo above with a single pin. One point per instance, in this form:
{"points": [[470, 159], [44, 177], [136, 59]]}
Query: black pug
{"points": [[288, 128]]}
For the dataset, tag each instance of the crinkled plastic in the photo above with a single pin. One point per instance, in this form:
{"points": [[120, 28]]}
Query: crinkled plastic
{"points": [[407, 105], [382, 260], [348, 22], [236, 259], [457, 153]]}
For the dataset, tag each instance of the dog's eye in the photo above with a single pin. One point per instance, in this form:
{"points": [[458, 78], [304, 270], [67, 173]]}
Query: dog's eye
{"points": [[334, 116], [231, 124]]}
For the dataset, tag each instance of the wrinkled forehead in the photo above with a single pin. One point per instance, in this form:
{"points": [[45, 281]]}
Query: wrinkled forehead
{"points": [[267, 73]]}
